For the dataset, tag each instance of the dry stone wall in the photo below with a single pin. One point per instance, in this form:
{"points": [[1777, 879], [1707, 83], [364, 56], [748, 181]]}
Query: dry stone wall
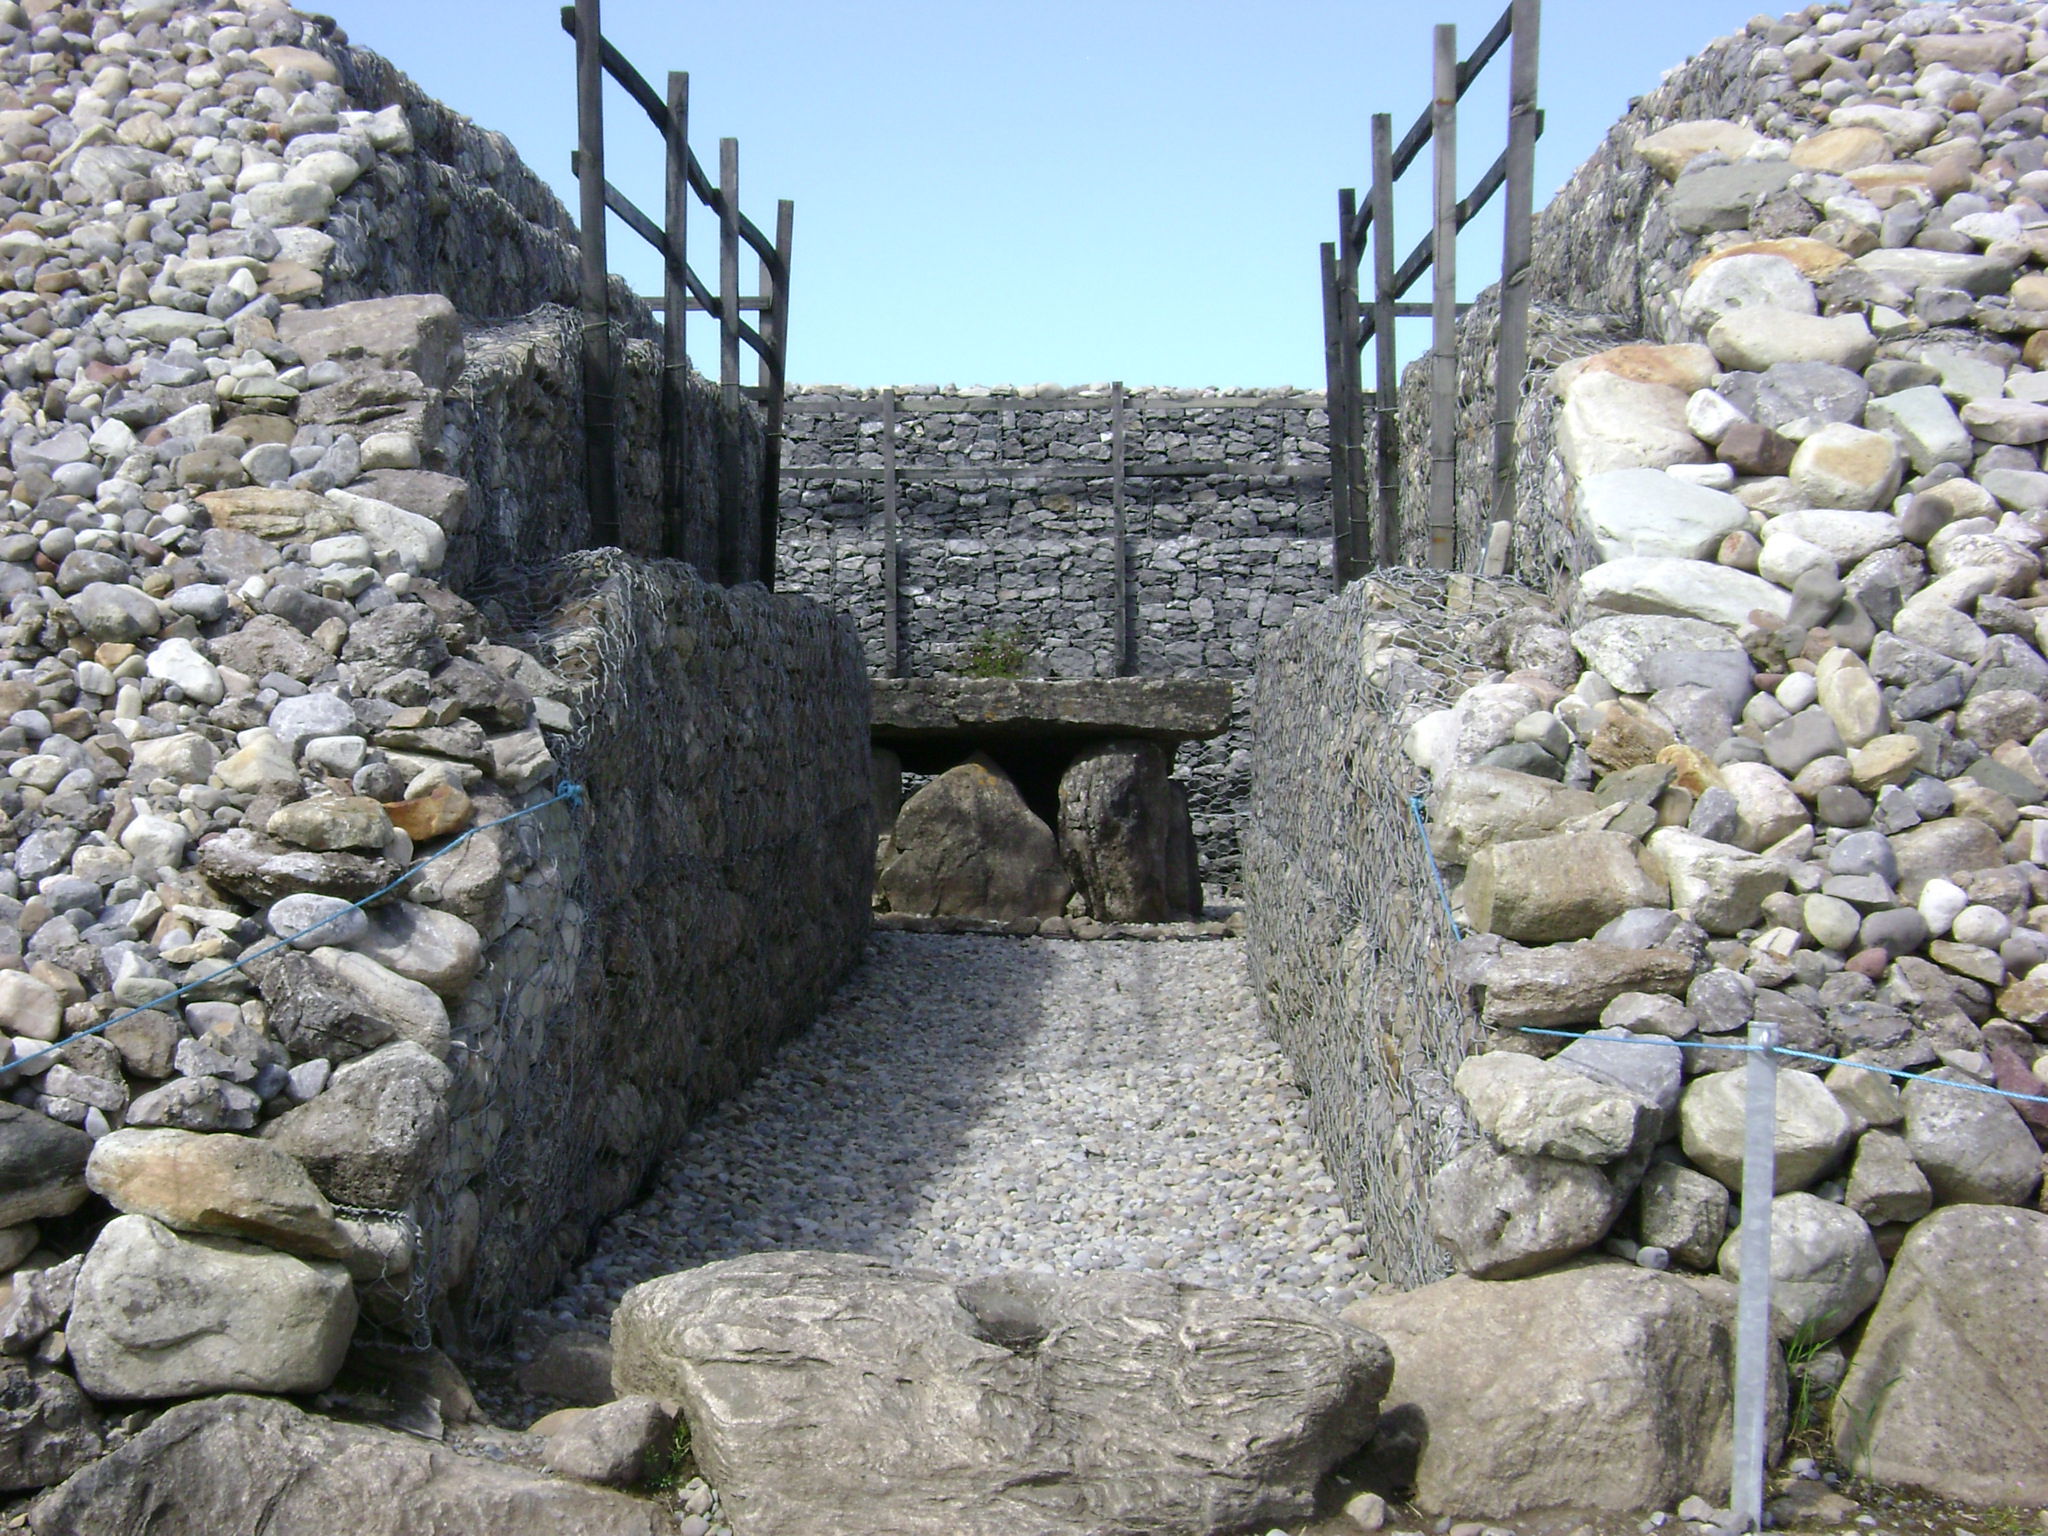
{"points": [[387, 882], [1005, 528], [1776, 756]]}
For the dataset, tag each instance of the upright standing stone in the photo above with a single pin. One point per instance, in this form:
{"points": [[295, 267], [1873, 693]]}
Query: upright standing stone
{"points": [[968, 846], [1116, 829]]}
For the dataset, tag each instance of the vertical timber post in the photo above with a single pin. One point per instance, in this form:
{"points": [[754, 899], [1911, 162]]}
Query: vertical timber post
{"points": [[1336, 391], [731, 560], [1443, 351], [1119, 533], [675, 391], [600, 444], [1753, 1343], [1386, 370], [773, 374], [1511, 359], [1357, 524], [892, 559]]}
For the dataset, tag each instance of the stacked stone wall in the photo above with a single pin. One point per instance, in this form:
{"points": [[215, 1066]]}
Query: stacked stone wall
{"points": [[1770, 766], [390, 880]]}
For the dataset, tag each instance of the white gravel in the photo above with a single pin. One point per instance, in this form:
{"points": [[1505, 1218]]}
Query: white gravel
{"points": [[975, 1104]]}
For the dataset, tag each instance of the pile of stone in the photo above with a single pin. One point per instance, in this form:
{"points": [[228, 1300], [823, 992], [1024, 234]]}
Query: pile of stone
{"points": [[236, 703], [1787, 762]]}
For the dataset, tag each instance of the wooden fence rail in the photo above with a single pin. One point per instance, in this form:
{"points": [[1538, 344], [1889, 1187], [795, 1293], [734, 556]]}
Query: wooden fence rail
{"points": [[1365, 501], [683, 293]]}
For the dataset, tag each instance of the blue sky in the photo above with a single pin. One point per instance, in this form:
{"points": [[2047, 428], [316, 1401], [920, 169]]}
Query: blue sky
{"points": [[1070, 191]]}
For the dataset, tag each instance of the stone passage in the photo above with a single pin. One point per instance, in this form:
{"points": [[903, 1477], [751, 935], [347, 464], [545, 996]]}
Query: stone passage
{"points": [[980, 1104]]}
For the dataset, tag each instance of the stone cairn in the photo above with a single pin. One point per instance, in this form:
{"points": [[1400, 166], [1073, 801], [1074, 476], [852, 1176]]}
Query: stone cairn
{"points": [[236, 702], [1787, 759]]}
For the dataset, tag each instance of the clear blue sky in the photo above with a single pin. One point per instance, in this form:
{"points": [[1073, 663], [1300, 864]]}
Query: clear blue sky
{"points": [[1063, 191]]}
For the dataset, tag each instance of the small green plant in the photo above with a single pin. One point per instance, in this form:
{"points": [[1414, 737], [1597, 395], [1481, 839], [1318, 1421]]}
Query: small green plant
{"points": [[996, 653], [673, 1465], [1807, 1431]]}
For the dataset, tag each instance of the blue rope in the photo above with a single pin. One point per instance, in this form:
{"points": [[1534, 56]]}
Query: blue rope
{"points": [[1415, 803], [1786, 1050], [1422, 829], [570, 792]]}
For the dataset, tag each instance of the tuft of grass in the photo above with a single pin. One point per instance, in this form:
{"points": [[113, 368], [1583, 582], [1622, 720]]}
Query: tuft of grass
{"points": [[996, 653], [1807, 1431], [675, 1465]]}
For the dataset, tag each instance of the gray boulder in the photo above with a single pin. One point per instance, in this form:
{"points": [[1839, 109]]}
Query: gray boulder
{"points": [[1502, 1216], [1475, 807], [42, 1166], [1540, 1108], [1600, 1387], [1813, 1130], [1974, 1148], [371, 1135], [968, 846], [1566, 984], [1683, 1212], [413, 332], [48, 1429], [297, 1475], [1945, 1390], [159, 1315], [1116, 831], [1885, 1184], [829, 1392], [618, 1443], [1825, 1267]]}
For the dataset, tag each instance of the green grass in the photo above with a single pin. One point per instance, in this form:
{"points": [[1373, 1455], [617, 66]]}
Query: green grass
{"points": [[996, 653], [675, 1466]]}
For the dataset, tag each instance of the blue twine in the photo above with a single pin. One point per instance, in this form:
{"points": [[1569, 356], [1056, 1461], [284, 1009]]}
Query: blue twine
{"points": [[570, 791], [1786, 1050], [1429, 853], [1415, 802]]}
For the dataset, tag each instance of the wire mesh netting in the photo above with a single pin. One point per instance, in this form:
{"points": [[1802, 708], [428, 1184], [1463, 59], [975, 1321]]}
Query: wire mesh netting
{"points": [[1350, 943]]}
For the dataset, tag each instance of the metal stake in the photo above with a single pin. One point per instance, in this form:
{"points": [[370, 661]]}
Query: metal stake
{"points": [[1753, 1342]]}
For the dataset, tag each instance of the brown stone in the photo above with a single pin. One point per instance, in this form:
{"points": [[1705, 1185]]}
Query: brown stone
{"points": [[1841, 150], [255, 429], [279, 515], [441, 810], [1688, 367], [1549, 889], [1815, 259], [1751, 448]]}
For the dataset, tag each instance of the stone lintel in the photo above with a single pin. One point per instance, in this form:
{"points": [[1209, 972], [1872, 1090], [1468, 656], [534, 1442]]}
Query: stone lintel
{"points": [[912, 710]]}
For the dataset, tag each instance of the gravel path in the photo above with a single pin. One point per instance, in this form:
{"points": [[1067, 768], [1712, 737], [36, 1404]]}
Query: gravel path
{"points": [[974, 1104]]}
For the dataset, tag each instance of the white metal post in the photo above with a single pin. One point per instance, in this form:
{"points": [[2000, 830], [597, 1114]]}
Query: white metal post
{"points": [[1753, 1342]]}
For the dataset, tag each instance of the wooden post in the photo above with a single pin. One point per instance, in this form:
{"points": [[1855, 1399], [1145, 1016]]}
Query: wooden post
{"points": [[1337, 406], [774, 379], [1386, 368], [1357, 521], [600, 446], [892, 571], [1443, 351], [1126, 663], [731, 556], [675, 299], [1511, 360]]}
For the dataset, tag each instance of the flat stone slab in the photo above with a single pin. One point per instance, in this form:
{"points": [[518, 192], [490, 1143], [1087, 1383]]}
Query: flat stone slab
{"points": [[911, 710]]}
